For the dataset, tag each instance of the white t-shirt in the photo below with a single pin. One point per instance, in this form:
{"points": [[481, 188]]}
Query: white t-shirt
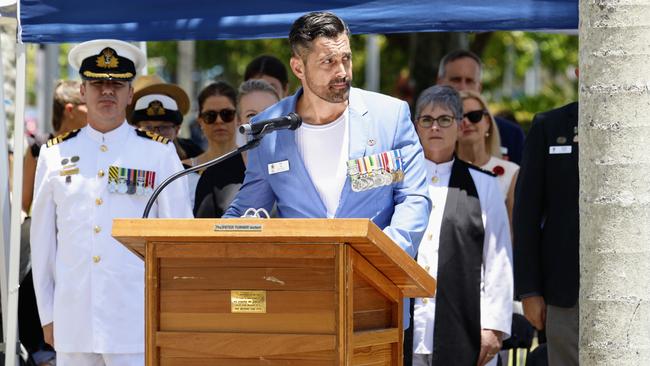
{"points": [[324, 150]]}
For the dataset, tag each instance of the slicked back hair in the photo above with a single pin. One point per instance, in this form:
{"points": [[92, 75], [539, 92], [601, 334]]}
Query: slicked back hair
{"points": [[457, 55], [311, 26], [440, 96]]}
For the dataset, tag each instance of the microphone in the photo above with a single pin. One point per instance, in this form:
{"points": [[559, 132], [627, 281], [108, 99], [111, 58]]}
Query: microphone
{"points": [[290, 121]]}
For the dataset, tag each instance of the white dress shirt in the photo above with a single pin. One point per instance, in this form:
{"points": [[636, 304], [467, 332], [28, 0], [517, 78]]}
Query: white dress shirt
{"points": [[496, 270], [86, 282]]}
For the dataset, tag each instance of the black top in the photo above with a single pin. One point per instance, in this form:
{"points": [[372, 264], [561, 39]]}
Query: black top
{"points": [[512, 137], [545, 216], [218, 186], [190, 147]]}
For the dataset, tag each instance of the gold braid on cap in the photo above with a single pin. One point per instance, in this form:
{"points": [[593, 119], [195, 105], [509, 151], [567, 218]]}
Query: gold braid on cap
{"points": [[125, 75]]}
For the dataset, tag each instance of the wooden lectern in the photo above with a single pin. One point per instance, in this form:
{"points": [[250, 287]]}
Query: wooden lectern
{"points": [[303, 292]]}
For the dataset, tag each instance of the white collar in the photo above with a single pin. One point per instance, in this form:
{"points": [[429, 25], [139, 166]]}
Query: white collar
{"points": [[114, 135], [434, 169]]}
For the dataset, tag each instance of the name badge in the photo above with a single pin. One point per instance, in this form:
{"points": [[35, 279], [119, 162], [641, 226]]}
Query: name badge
{"points": [[279, 167], [563, 149]]}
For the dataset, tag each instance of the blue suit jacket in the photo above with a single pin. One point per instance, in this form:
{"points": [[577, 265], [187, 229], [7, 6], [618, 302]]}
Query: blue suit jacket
{"points": [[378, 123], [512, 137]]}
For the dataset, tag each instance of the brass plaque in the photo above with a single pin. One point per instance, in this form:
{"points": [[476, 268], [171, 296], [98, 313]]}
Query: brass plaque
{"points": [[247, 301]]}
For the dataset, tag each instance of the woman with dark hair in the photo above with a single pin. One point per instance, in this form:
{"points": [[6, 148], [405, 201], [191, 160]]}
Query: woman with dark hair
{"points": [[217, 185], [270, 69]]}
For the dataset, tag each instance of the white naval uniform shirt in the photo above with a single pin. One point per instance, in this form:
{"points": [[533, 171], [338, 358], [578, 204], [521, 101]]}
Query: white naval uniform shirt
{"points": [[496, 270], [324, 151], [85, 281]]}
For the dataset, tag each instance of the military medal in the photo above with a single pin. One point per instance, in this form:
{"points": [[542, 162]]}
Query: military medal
{"points": [[399, 171], [139, 186], [353, 173], [386, 168], [149, 179], [113, 173], [364, 181], [375, 179], [131, 181], [121, 182]]}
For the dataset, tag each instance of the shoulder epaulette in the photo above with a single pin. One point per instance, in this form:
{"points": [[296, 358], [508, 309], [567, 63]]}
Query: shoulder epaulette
{"points": [[478, 168], [152, 136], [62, 137]]}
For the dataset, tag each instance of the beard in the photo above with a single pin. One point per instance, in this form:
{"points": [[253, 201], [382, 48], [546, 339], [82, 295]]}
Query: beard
{"points": [[328, 92]]}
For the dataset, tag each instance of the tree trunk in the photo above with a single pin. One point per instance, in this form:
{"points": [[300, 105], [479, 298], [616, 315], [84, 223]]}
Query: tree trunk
{"points": [[614, 130], [426, 51]]}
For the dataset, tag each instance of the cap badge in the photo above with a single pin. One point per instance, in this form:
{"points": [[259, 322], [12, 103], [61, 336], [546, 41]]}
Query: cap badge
{"points": [[155, 109], [107, 59]]}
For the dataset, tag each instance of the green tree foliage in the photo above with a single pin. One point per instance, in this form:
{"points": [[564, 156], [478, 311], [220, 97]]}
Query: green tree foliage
{"points": [[558, 55], [407, 58], [234, 55]]}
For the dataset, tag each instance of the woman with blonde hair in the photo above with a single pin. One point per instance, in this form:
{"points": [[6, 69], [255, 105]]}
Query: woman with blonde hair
{"points": [[479, 144]]}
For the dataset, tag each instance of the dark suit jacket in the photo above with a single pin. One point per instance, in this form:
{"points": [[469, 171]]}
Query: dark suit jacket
{"points": [[545, 217], [512, 137]]}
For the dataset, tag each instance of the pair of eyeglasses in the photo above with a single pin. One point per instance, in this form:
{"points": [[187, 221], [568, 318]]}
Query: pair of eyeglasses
{"points": [[161, 130], [475, 116], [443, 121], [227, 115]]}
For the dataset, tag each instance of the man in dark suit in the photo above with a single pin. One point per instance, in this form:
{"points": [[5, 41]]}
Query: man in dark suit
{"points": [[546, 235], [461, 70]]}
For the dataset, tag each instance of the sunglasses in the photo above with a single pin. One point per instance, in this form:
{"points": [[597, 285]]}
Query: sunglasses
{"points": [[210, 117], [428, 121], [475, 116]]}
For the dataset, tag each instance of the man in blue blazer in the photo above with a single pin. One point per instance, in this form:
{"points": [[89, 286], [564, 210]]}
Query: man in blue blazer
{"points": [[356, 155]]}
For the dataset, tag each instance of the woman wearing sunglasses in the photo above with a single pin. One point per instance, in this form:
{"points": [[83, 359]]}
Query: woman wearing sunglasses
{"points": [[218, 184], [479, 143]]}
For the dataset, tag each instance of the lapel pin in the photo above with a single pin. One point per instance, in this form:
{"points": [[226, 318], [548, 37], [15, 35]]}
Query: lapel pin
{"points": [[371, 142]]}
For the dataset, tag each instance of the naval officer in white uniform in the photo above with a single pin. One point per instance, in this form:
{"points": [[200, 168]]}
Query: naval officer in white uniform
{"points": [[466, 247], [90, 288]]}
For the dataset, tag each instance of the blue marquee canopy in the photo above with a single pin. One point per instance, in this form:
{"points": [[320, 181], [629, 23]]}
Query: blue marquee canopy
{"points": [[152, 20]]}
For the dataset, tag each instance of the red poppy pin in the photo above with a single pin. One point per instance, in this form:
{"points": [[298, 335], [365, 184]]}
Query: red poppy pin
{"points": [[498, 170]]}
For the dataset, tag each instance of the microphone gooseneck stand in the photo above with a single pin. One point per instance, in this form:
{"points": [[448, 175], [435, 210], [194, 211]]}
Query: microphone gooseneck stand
{"points": [[249, 145], [291, 121]]}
